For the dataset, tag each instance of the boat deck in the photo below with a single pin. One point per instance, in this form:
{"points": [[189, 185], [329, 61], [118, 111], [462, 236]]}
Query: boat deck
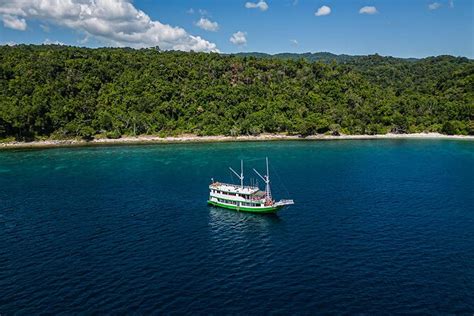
{"points": [[233, 188]]}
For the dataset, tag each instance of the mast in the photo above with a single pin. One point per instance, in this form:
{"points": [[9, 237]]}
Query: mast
{"points": [[268, 192], [241, 176], [266, 179]]}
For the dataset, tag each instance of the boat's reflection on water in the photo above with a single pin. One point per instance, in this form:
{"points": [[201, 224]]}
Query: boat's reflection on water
{"points": [[221, 219]]}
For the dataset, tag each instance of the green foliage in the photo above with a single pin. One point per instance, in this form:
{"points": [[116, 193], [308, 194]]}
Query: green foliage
{"points": [[86, 132], [67, 92], [454, 128], [335, 129], [113, 134]]}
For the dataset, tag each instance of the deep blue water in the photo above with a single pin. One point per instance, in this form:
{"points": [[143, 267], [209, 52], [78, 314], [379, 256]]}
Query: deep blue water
{"points": [[378, 227]]}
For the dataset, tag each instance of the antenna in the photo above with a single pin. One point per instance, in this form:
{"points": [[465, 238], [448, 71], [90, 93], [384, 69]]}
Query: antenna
{"points": [[241, 176]]}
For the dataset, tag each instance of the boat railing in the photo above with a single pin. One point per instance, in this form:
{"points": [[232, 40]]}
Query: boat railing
{"points": [[215, 184], [247, 198]]}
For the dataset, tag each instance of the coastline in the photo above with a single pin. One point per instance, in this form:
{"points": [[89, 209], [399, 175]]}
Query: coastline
{"points": [[145, 139]]}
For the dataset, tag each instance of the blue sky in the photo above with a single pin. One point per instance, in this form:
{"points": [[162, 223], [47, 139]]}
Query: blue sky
{"points": [[403, 28]]}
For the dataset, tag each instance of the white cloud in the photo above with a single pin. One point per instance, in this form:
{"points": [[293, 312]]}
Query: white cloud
{"points": [[200, 11], [114, 22], [324, 10], [262, 5], [203, 12], [451, 3], [14, 22], [368, 10], [45, 28], [434, 5], [84, 40], [207, 25], [294, 42], [11, 43], [239, 38], [50, 42]]}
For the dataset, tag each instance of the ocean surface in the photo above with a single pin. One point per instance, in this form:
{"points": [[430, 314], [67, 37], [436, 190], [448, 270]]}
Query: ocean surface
{"points": [[379, 226]]}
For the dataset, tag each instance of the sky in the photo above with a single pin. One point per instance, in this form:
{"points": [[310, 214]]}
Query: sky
{"points": [[401, 28]]}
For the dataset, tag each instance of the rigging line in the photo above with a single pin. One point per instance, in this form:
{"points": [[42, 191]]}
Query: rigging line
{"points": [[240, 156], [281, 182], [231, 177], [254, 181], [255, 159]]}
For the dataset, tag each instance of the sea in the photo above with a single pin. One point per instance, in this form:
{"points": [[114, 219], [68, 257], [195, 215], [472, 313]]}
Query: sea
{"points": [[378, 227]]}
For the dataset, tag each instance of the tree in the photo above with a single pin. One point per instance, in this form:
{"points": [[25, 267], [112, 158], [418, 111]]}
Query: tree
{"points": [[52, 91]]}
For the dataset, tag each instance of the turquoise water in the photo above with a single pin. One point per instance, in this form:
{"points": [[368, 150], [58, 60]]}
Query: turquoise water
{"points": [[380, 226]]}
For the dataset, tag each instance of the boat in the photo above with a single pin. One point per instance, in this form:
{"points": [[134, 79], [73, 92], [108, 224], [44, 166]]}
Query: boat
{"points": [[245, 198]]}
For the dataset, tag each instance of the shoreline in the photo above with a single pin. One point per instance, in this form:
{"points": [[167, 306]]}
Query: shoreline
{"points": [[129, 140]]}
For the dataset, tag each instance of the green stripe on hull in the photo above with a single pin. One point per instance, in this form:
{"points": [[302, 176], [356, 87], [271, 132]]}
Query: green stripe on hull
{"points": [[270, 209]]}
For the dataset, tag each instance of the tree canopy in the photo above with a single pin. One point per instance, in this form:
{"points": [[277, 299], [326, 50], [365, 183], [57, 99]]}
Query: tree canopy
{"points": [[60, 92]]}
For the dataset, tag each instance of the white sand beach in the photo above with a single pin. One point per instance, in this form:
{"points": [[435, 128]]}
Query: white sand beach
{"points": [[146, 139]]}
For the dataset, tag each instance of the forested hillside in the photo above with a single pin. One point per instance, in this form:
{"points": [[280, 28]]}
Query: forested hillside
{"points": [[61, 92], [320, 56]]}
